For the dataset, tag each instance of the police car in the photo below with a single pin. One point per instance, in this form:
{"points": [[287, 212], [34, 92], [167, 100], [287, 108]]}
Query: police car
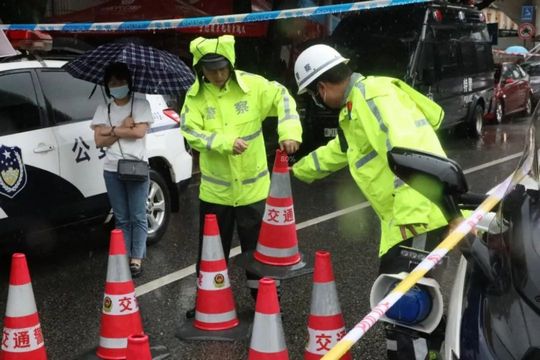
{"points": [[51, 172]]}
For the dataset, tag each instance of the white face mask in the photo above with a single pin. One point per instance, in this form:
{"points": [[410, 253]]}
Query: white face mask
{"points": [[318, 100], [119, 92]]}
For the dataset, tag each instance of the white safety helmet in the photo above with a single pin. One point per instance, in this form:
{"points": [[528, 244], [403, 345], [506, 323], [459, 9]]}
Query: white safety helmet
{"points": [[313, 62]]}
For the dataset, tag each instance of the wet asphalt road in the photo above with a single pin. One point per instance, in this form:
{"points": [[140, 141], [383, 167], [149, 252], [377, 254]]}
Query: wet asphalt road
{"points": [[68, 267]]}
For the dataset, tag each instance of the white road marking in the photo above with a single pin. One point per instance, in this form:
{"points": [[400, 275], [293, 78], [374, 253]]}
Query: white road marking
{"points": [[185, 272], [492, 163]]}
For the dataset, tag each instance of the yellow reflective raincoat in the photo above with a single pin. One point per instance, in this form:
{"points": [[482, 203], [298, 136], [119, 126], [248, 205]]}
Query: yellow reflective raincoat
{"points": [[213, 118], [380, 113]]}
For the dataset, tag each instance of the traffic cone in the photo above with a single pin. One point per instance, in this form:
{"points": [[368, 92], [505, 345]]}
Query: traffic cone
{"points": [[276, 254], [120, 314], [267, 339], [277, 243], [22, 337], [214, 308], [138, 348], [325, 324], [215, 311]]}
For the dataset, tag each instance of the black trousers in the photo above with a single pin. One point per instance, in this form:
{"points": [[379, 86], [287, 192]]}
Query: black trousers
{"points": [[404, 343], [247, 221]]}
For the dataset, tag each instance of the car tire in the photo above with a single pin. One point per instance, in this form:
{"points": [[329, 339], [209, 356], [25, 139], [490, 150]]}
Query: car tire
{"points": [[499, 112], [528, 106], [476, 122], [158, 207]]}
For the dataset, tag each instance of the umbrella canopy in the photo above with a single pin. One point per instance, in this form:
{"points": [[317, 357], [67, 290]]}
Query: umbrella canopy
{"points": [[516, 49], [153, 71]]}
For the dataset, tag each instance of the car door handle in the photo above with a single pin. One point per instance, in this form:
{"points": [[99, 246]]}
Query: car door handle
{"points": [[42, 148]]}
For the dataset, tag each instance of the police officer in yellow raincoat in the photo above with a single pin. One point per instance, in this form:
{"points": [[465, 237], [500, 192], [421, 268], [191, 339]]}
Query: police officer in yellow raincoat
{"points": [[376, 113], [222, 119]]}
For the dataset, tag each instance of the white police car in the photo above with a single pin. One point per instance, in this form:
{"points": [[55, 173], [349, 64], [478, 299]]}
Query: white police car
{"points": [[51, 172]]}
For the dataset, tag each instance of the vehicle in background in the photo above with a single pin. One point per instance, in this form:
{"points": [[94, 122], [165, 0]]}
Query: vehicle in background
{"points": [[533, 69], [51, 172], [443, 50], [512, 93]]}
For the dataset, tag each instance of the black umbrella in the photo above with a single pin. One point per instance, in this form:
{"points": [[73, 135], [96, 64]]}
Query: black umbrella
{"points": [[154, 71]]}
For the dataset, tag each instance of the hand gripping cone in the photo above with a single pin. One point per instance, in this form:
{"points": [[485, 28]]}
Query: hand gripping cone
{"points": [[277, 254], [22, 338], [267, 339], [325, 324], [277, 243], [138, 348], [215, 311], [120, 314]]}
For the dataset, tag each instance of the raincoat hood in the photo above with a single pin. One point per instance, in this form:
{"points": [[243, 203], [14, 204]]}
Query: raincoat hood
{"points": [[223, 45]]}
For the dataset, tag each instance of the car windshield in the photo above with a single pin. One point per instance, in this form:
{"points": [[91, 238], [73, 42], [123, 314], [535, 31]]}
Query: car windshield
{"points": [[507, 71], [376, 45]]}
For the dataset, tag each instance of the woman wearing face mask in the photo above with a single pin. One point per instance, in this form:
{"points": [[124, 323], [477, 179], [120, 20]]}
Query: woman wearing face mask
{"points": [[120, 127]]}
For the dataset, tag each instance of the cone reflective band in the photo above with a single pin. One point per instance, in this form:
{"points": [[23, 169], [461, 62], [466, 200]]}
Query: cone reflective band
{"points": [[22, 338], [267, 339], [278, 244], [120, 312], [325, 324], [138, 348], [431, 259], [214, 308]]}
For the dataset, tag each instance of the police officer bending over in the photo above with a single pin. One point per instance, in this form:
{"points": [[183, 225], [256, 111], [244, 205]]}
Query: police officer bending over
{"points": [[376, 113], [222, 119]]}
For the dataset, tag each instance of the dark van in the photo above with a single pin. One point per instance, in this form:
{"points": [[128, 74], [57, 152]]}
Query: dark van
{"points": [[442, 50]]}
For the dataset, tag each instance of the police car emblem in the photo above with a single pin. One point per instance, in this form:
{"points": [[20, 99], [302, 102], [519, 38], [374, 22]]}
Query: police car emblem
{"points": [[12, 171]]}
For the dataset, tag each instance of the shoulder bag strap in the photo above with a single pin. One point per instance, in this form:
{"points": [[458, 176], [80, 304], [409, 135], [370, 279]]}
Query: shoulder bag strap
{"points": [[109, 117], [110, 123]]}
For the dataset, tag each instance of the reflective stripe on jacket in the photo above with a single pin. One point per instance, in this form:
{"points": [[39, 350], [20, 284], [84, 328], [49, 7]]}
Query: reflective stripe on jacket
{"points": [[212, 119], [381, 114]]}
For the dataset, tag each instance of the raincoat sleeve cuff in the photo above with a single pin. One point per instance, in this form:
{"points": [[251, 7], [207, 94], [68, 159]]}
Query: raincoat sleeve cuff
{"points": [[220, 143], [293, 134], [305, 171], [301, 175], [224, 144]]}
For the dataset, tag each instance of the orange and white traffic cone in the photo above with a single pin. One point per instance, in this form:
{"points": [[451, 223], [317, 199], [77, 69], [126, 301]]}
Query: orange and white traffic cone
{"points": [[215, 310], [267, 339], [276, 254], [325, 324], [278, 244], [120, 314], [22, 338], [138, 348]]}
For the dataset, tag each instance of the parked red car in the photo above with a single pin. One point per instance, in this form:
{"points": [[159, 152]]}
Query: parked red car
{"points": [[512, 93]]}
